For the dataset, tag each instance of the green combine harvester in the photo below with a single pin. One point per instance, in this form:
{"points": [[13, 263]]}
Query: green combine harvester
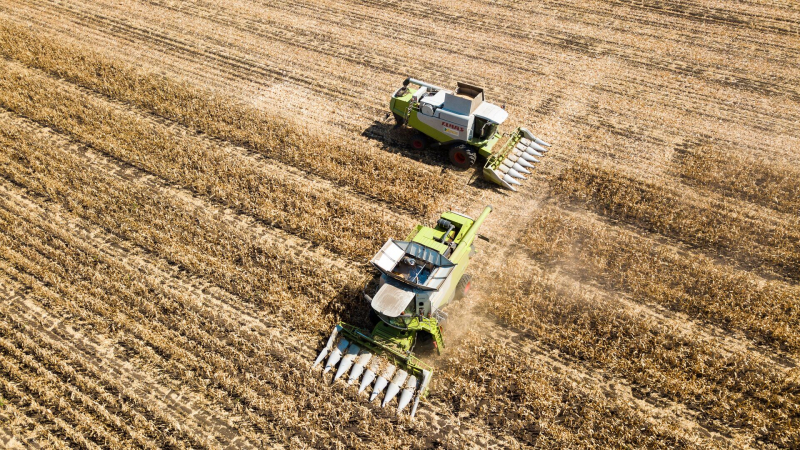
{"points": [[418, 277], [464, 123]]}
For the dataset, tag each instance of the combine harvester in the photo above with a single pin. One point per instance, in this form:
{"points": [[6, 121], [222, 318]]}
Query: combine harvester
{"points": [[418, 277], [464, 123]]}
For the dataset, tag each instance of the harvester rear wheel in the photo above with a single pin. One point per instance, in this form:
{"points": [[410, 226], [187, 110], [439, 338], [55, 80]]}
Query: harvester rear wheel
{"points": [[463, 286], [463, 156], [419, 141]]}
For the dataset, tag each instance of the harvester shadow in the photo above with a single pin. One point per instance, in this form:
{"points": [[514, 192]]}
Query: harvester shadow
{"points": [[348, 305], [396, 139]]}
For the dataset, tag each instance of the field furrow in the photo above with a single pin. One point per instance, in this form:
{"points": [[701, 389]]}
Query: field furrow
{"points": [[168, 339], [731, 392], [765, 241], [653, 272], [237, 123], [190, 193], [34, 404], [150, 344], [145, 402], [223, 176], [134, 396], [319, 42]]}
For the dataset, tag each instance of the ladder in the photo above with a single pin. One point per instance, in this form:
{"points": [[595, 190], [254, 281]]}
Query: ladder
{"points": [[409, 109]]}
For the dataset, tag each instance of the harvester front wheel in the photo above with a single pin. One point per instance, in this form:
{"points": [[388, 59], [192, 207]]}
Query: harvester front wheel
{"points": [[463, 286], [419, 141], [463, 156]]}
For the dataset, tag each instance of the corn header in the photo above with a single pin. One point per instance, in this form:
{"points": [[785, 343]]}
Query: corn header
{"points": [[466, 125], [418, 278]]}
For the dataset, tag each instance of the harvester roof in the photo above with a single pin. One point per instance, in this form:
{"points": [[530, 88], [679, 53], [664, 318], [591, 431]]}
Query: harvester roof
{"points": [[492, 113]]}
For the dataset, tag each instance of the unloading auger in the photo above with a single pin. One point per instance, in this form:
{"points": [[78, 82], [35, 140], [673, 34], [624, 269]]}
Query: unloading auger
{"points": [[418, 277], [462, 122]]}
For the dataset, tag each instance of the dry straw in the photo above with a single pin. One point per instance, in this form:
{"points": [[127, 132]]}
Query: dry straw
{"points": [[319, 216], [260, 274], [770, 244], [767, 311], [402, 183], [160, 326], [754, 179], [735, 390], [510, 389]]}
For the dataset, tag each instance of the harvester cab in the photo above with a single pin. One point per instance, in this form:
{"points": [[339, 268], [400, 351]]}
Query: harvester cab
{"points": [[466, 124], [417, 278]]}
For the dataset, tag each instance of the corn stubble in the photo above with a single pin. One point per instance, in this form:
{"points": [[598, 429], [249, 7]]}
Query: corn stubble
{"points": [[225, 177], [171, 331], [770, 243], [63, 398], [733, 390], [403, 184]]}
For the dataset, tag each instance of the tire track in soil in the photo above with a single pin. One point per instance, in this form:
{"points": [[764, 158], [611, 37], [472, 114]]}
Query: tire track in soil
{"points": [[170, 395], [654, 406], [265, 232], [503, 227], [430, 413], [376, 109]]}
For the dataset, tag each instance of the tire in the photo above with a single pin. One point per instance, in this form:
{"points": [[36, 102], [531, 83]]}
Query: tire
{"points": [[463, 287], [419, 141], [373, 319], [463, 156]]}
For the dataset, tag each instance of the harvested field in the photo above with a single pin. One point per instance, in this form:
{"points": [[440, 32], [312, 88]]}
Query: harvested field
{"points": [[190, 193]]}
